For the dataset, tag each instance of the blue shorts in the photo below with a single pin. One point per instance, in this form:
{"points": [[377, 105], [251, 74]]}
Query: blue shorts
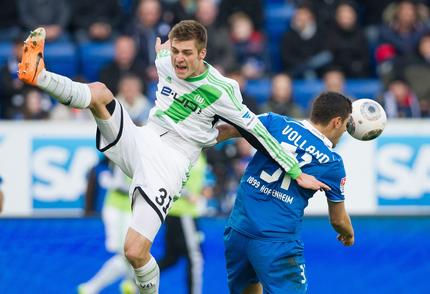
{"points": [[279, 266]]}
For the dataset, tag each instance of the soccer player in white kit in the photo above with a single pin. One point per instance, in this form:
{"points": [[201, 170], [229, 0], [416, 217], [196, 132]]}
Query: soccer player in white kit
{"points": [[191, 97]]}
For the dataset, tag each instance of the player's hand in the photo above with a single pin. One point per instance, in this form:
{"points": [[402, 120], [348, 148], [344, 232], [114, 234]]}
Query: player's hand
{"points": [[310, 182], [161, 46], [346, 240]]}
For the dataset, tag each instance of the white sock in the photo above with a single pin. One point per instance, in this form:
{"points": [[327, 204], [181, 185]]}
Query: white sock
{"points": [[148, 277], [112, 270], [65, 90]]}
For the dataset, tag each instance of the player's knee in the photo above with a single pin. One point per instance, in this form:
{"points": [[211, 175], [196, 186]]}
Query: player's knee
{"points": [[136, 253], [100, 95]]}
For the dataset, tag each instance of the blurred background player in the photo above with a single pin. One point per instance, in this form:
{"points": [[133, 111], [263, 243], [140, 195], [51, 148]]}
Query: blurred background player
{"points": [[262, 237], [182, 237], [116, 215]]}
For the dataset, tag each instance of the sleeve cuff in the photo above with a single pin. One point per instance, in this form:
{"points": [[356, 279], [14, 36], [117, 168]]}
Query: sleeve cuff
{"points": [[294, 171]]}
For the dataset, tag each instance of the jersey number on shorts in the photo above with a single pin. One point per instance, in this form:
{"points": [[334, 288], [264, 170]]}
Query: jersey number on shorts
{"points": [[303, 160], [161, 199]]}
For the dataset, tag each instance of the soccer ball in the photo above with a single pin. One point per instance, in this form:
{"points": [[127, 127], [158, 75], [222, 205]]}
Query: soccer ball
{"points": [[367, 120]]}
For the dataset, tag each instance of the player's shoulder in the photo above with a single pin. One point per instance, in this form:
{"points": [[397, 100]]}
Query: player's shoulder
{"points": [[218, 80]]}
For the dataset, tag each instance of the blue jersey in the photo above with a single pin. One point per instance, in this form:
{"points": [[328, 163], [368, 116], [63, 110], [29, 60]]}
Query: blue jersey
{"points": [[269, 204]]}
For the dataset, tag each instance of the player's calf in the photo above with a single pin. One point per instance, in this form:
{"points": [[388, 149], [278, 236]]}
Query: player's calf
{"points": [[146, 270]]}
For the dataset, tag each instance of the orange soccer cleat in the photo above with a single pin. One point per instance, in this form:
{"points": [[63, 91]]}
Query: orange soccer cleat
{"points": [[32, 57]]}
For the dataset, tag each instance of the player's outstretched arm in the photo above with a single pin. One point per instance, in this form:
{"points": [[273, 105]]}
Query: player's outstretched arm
{"points": [[227, 131], [341, 222]]}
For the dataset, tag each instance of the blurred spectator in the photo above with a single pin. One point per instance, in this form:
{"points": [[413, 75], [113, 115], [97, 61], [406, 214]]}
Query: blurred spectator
{"points": [[303, 48], [281, 100], [11, 87], [252, 8], [53, 15], [417, 73], [372, 11], [145, 28], [249, 46], [348, 43], [9, 21], [244, 155], [64, 113], [248, 100], [125, 62], [334, 81], [220, 52], [131, 96], [403, 27], [175, 11], [93, 20], [399, 101], [35, 107], [324, 10]]}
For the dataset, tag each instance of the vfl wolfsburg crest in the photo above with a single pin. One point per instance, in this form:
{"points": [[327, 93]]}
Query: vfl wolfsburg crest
{"points": [[199, 99]]}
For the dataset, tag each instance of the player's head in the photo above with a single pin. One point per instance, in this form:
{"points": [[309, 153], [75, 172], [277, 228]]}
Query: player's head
{"points": [[188, 40], [330, 114]]}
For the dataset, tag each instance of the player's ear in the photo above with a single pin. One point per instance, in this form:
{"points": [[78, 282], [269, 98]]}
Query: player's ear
{"points": [[337, 122], [202, 53]]}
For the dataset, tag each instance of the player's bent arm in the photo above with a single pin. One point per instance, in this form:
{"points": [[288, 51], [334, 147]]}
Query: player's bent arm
{"points": [[225, 132], [341, 222]]}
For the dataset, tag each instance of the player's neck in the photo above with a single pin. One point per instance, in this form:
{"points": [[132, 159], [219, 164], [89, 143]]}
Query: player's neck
{"points": [[201, 69]]}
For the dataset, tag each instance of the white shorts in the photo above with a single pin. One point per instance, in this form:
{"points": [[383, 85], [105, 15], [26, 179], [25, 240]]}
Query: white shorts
{"points": [[158, 170], [116, 222]]}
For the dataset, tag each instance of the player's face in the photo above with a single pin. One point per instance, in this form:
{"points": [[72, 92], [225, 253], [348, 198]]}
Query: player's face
{"points": [[339, 130], [186, 59]]}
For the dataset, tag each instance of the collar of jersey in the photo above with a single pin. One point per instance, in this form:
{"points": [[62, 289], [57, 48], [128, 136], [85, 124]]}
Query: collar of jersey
{"points": [[317, 133], [201, 76]]}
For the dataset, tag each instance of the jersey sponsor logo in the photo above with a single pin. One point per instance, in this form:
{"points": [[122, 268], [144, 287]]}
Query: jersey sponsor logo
{"points": [[187, 103]]}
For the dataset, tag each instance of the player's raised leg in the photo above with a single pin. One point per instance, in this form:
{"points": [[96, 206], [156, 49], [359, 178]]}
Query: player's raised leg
{"points": [[32, 71]]}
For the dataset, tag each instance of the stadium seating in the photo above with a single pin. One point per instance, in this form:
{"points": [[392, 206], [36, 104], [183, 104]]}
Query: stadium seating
{"points": [[5, 51], [277, 21], [305, 90], [61, 57], [93, 56]]}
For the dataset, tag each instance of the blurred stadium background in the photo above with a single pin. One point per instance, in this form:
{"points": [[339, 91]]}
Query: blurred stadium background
{"points": [[46, 152]]}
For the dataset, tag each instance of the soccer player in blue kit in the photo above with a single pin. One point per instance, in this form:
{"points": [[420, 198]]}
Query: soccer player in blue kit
{"points": [[262, 239]]}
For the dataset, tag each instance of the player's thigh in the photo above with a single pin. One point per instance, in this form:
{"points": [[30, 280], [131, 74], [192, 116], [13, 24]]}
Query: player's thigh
{"points": [[160, 172], [116, 138], [280, 266], [240, 273]]}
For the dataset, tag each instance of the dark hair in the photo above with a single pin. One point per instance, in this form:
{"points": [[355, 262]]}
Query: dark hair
{"points": [[190, 30], [329, 105]]}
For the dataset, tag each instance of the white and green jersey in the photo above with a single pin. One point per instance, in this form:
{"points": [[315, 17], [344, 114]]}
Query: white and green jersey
{"points": [[192, 106]]}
